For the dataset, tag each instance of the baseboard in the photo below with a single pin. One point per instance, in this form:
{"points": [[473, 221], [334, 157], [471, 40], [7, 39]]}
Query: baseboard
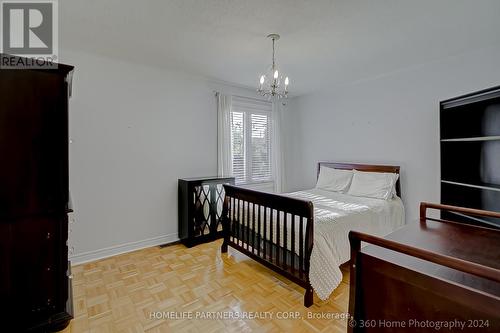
{"points": [[85, 257]]}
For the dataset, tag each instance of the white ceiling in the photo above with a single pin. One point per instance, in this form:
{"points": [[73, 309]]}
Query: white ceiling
{"points": [[324, 42]]}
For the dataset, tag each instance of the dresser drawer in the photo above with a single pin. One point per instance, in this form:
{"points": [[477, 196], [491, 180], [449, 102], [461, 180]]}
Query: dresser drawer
{"points": [[37, 268]]}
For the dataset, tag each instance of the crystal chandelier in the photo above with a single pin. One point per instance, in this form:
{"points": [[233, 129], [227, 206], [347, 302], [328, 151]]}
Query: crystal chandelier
{"points": [[273, 84]]}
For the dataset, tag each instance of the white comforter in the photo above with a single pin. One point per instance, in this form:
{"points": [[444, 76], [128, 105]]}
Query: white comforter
{"points": [[336, 214]]}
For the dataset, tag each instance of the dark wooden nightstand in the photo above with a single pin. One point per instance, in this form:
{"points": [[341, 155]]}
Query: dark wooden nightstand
{"points": [[200, 209]]}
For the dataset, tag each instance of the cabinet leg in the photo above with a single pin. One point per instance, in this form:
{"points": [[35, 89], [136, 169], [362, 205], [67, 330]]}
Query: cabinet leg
{"points": [[223, 248]]}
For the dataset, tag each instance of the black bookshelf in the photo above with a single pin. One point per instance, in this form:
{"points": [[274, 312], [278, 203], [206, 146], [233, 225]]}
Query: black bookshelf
{"points": [[470, 154]]}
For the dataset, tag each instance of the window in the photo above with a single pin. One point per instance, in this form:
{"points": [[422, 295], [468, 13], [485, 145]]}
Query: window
{"points": [[251, 140]]}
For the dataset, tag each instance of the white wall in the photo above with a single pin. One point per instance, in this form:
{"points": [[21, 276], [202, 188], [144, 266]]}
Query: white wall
{"points": [[393, 119], [135, 131]]}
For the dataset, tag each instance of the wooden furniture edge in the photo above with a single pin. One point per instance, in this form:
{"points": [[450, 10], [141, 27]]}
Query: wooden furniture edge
{"points": [[437, 258], [469, 211]]}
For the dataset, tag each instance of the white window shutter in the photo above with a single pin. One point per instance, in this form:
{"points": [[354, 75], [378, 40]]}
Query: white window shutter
{"points": [[238, 146]]}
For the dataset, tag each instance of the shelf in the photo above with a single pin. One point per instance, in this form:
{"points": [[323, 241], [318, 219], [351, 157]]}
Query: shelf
{"points": [[478, 138], [483, 186], [480, 96]]}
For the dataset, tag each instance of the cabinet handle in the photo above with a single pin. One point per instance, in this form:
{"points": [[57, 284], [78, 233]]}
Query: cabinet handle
{"points": [[48, 235]]}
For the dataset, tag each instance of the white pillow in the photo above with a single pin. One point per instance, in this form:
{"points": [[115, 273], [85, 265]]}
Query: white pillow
{"points": [[380, 185], [335, 180]]}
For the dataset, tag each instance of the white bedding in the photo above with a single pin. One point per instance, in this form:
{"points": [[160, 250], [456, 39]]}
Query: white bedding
{"points": [[336, 214]]}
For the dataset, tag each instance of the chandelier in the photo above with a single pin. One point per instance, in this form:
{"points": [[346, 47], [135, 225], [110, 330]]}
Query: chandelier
{"points": [[273, 84]]}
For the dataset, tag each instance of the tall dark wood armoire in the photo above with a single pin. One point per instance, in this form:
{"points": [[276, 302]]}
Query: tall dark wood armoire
{"points": [[35, 285]]}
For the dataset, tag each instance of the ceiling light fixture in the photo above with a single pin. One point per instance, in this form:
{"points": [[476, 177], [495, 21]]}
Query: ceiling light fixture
{"points": [[273, 84]]}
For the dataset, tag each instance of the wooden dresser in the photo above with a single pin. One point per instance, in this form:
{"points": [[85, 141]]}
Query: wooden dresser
{"points": [[35, 285], [427, 273]]}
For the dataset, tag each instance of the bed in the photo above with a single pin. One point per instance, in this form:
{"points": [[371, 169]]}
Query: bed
{"points": [[304, 235]]}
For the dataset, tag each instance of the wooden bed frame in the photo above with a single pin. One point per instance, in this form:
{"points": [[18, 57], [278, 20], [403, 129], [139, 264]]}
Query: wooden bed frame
{"points": [[436, 270], [245, 231]]}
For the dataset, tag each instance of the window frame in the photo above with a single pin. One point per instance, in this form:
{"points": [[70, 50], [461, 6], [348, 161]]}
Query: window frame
{"points": [[247, 145]]}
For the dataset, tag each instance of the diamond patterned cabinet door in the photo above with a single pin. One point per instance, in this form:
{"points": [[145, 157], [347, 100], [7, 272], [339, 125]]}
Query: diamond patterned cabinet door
{"points": [[200, 209], [201, 215], [219, 203]]}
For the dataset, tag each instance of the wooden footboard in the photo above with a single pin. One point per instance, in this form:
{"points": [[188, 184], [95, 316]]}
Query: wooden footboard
{"points": [[272, 229]]}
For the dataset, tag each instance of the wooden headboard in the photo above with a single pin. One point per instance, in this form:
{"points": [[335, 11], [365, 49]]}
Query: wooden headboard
{"points": [[364, 167]]}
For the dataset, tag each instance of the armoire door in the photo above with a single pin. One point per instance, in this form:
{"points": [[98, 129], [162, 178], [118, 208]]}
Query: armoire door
{"points": [[33, 143]]}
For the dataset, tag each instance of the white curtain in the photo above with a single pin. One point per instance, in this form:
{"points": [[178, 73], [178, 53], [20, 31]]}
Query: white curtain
{"points": [[224, 158], [276, 148]]}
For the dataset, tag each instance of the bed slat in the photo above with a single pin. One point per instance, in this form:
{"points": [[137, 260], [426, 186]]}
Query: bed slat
{"points": [[271, 215], [293, 245], [285, 246], [301, 246], [259, 232], [265, 231]]}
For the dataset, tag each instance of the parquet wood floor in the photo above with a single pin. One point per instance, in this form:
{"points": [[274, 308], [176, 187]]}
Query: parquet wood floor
{"points": [[137, 291]]}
